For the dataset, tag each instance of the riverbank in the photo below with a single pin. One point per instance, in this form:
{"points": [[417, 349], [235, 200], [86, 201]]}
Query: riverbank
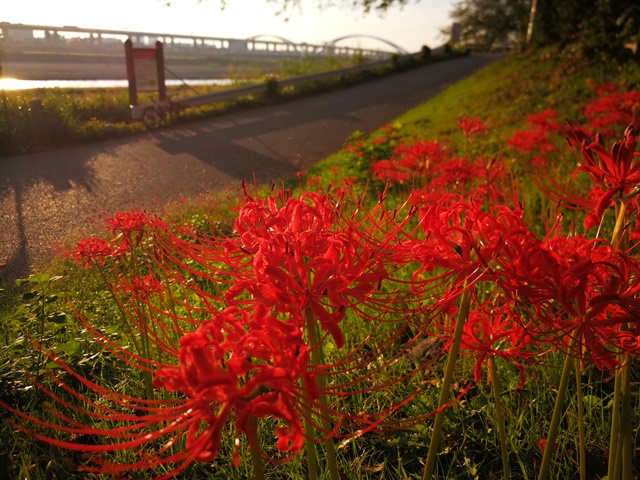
{"points": [[46, 66], [48, 118]]}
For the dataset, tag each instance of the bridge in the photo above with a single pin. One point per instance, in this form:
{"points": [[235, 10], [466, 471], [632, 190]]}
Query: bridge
{"points": [[70, 39]]}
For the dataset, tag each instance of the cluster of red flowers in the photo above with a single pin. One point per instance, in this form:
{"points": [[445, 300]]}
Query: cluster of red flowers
{"points": [[565, 287], [93, 249], [614, 175], [471, 126], [249, 365], [242, 352], [613, 108], [232, 321], [432, 169], [129, 228], [537, 141], [409, 161]]}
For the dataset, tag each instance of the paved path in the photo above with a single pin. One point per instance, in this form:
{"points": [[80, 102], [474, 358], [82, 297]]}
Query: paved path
{"points": [[50, 198]]}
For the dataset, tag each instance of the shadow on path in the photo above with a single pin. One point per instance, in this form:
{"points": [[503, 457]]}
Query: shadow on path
{"points": [[49, 197]]}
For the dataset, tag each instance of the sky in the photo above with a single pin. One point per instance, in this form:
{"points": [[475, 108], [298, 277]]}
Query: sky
{"points": [[410, 27]]}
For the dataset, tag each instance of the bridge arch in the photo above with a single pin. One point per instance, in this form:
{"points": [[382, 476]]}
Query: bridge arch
{"points": [[397, 48], [277, 37]]}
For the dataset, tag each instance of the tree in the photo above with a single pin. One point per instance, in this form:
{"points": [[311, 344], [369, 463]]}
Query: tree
{"points": [[487, 24], [597, 25], [594, 25], [365, 5]]}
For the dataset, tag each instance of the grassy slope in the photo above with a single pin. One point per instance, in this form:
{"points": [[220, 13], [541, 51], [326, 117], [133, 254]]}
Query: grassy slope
{"points": [[506, 92], [503, 95]]}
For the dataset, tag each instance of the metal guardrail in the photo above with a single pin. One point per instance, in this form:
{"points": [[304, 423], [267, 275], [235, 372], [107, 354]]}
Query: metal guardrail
{"points": [[137, 111]]}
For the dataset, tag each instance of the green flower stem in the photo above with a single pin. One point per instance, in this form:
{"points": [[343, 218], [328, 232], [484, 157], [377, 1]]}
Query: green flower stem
{"points": [[146, 374], [317, 358], [613, 472], [332, 460], [463, 313], [495, 388], [558, 411], [581, 433], [620, 446], [310, 450], [621, 210], [256, 456], [626, 431], [142, 348], [123, 314]]}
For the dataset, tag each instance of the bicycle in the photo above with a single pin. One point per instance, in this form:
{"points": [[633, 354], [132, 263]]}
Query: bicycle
{"points": [[161, 113]]}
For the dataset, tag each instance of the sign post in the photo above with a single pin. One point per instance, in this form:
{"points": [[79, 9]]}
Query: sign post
{"points": [[145, 71]]}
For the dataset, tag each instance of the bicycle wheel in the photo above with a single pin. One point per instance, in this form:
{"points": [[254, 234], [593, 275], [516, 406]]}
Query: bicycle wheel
{"points": [[151, 118]]}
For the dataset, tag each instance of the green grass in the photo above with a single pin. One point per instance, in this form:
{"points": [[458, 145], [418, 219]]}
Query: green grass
{"points": [[502, 95], [40, 119]]}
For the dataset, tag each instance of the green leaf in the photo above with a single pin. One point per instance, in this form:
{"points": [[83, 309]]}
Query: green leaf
{"points": [[39, 278], [70, 347], [591, 401]]}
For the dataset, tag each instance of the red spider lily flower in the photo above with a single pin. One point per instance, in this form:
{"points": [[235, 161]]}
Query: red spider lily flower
{"points": [[386, 170], [479, 178], [536, 141], [143, 287], [613, 109], [492, 182], [495, 329], [614, 173], [456, 174], [233, 366], [630, 342], [570, 284], [420, 155], [409, 161], [129, 225], [575, 287], [531, 141], [544, 121], [462, 239], [299, 261], [471, 126], [604, 89], [293, 256], [424, 196], [93, 249], [355, 148], [539, 162], [255, 373]]}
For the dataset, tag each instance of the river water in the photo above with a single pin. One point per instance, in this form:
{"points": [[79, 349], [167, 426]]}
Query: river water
{"points": [[17, 84]]}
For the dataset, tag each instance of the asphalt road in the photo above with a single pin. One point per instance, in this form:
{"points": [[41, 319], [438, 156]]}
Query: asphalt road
{"points": [[56, 197]]}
